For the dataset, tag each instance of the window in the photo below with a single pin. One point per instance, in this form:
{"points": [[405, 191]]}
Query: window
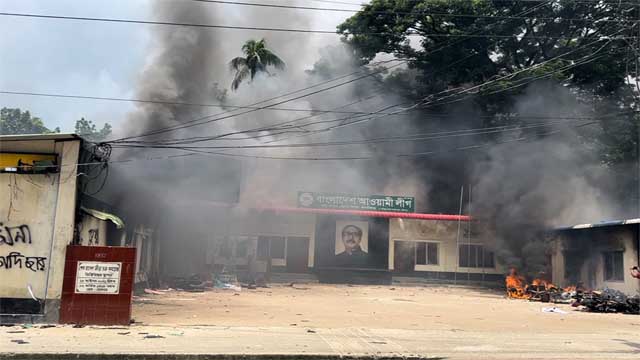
{"points": [[271, 246], [427, 253], [262, 252], [225, 248], [475, 256], [613, 266], [277, 247], [242, 246]]}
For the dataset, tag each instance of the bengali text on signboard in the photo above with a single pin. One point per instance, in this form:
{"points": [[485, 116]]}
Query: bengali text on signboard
{"points": [[98, 277], [356, 202]]}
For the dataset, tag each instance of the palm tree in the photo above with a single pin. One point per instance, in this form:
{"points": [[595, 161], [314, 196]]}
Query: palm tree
{"points": [[257, 58]]}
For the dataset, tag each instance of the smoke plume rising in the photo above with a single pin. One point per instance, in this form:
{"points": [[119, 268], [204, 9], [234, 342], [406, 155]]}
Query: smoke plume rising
{"points": [[519, 189]]}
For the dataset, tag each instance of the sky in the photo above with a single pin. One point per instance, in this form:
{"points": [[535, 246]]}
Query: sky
{"points": [[92, 58]]}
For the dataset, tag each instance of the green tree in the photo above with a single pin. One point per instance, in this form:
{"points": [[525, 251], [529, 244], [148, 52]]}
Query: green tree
{"points": [[484, 53], [87, 129], [15, 121], [257, 58]]}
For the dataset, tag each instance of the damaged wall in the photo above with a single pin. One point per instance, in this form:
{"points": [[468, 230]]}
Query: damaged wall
{"points": [[578, 256], [37, 212], [445, 234]]}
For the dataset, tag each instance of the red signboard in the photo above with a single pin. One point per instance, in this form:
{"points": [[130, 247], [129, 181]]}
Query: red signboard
{"points": [[98, 285]]}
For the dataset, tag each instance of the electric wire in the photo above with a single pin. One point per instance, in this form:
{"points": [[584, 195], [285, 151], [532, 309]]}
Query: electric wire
{"points": [[255, 28]]}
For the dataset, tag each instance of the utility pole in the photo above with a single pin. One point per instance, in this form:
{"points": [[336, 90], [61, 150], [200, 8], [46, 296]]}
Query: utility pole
{"points": [[455, 272]]}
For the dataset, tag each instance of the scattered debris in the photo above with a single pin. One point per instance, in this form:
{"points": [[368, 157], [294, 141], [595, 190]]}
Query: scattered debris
{"points": [[46, 326], [19, 342], [124, 333], [218, 284], [78, 326], [153, 292], [15, 332], [154, 336], [311, 331], [553, 309], [192, 283], [607, 301]]}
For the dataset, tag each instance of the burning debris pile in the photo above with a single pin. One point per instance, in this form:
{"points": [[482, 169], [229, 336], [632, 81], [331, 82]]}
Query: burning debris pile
{"points": [[607, 300], [538, 290]]}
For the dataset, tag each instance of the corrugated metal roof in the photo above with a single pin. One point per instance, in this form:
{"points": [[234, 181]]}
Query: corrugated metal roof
{"points": [[601, 224], [367, 213], [26, 137]]}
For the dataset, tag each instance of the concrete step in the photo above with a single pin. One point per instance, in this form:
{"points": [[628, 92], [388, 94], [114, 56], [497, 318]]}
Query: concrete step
{"points": [[293, 278]]}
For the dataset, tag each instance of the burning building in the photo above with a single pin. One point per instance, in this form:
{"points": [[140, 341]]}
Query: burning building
{"points": [[597, 256], [335, 237]]}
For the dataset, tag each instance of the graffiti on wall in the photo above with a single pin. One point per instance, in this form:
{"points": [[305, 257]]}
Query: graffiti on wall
{"points": [[10, 235], [94, 236], [17, 235], [16, 260]]}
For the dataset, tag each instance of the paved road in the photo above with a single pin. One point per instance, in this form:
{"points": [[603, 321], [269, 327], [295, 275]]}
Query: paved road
{"points": [[348, 341]]}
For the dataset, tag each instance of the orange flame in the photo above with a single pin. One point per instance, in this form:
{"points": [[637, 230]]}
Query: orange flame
{"points": [[542, 282], [515, 285]]}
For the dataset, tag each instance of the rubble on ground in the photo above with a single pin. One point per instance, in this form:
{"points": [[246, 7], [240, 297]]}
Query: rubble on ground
{"points": [[608, 301]]}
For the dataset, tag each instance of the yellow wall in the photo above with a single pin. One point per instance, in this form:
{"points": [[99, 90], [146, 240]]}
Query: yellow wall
{"points": [[445, 233]]}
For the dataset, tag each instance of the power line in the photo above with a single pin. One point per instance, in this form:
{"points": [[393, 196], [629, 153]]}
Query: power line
{"points": [[379, 111], [232, 27], [351, 158], [420, 154], [175, 103], [200, 121], [312, 8], [436, 102], [388, 139]]}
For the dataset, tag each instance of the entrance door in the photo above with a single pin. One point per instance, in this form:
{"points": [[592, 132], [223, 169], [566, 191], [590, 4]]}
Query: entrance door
{"points": [[404, 256], [297, 254]]}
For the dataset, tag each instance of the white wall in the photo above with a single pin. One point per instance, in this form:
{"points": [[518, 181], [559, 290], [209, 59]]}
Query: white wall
{"points": [[445, 233], [93, 231], [594, 242], [252, 223], [46, 205]]}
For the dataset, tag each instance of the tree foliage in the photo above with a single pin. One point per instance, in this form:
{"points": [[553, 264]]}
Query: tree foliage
{"points": [[257, 58], [15, 121], [485, 53], [88, 130]]}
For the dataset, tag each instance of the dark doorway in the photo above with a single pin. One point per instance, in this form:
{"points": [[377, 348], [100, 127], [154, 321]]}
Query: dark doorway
{"points": [[297, 254], [404, 256]]}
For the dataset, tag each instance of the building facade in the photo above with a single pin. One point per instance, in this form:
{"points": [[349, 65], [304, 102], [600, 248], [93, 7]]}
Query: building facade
{"points": [[44, 209], [316, 241], [597, 256], [37, 218]]}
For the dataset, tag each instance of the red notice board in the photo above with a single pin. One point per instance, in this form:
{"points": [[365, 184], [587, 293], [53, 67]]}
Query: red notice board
{"points": [[98, 285]]}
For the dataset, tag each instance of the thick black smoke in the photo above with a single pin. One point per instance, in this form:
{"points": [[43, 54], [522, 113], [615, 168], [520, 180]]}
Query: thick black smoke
{"points": [[519, 189]]}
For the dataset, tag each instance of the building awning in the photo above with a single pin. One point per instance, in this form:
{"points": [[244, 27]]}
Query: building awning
{"points": [[367, 213], [104, 216], [601, 224]]}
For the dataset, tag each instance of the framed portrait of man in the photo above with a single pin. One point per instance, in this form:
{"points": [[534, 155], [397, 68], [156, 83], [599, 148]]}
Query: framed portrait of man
{"points": [[352, 242]]}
